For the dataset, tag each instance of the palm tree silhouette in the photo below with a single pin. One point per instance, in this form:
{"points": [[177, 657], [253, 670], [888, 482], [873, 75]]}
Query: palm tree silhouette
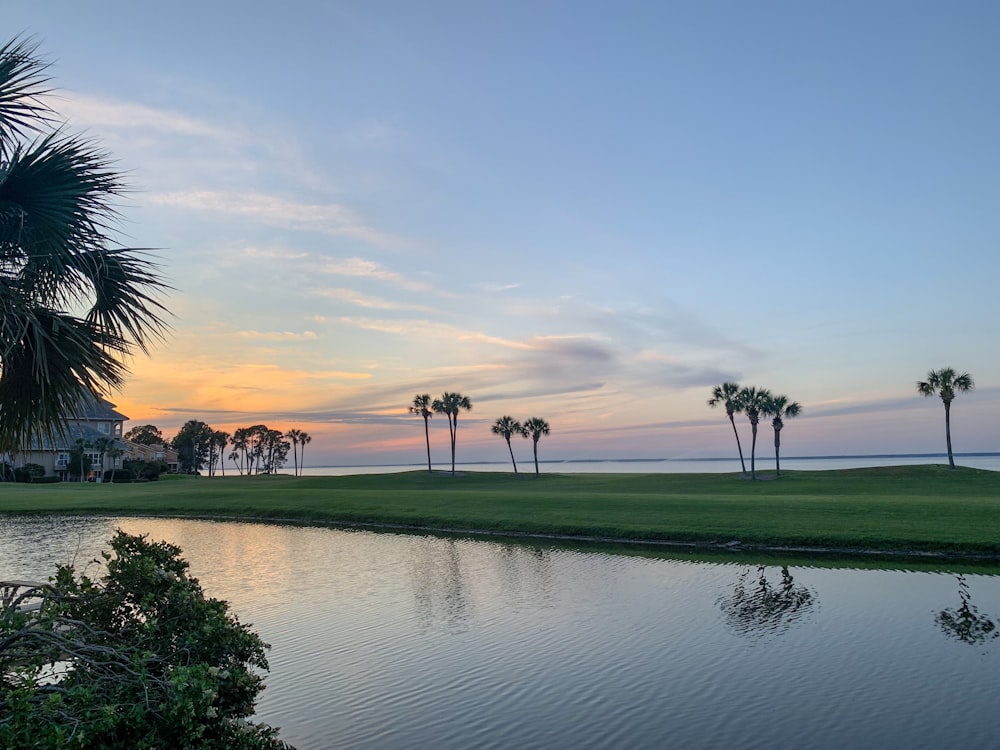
{"points": [[57, 254], [304, 439], [508, 426], [293, 437], [778, 407], [422, 406], [535, 428], [726, 394], [945, 382], [450, 404], [752, 401]]}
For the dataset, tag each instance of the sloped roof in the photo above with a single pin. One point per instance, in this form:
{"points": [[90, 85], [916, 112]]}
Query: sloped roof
{"points": [[98, 409]]}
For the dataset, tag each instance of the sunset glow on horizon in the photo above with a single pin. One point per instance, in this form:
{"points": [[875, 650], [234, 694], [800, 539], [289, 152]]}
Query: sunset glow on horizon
{"points": [[586, 212]]}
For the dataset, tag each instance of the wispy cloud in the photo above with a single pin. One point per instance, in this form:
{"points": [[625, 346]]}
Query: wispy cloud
{"points": [[354, 297], [278, 335], [326, 218], [370, 269], [90, 111]]}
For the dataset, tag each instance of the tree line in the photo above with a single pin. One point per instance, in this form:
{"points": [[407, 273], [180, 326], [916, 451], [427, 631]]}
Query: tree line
{"points": [[254, 450], [450, 404]]}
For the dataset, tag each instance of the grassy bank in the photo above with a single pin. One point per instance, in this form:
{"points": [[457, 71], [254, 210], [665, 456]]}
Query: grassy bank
{"points": [[905, 508]]}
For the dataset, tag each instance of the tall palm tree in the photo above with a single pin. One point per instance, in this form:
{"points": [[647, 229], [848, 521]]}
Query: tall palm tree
{"points": [[753, 401], [293, 437], [422, 406], [535, 428], [73, 305], [779, 407], [946, 382], [450, 404], [726, 394], [220, 439], [507, 426], [304, 439]]}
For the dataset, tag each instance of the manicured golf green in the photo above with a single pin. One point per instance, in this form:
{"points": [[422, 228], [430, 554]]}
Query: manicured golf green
{"points": [[905, 508]]}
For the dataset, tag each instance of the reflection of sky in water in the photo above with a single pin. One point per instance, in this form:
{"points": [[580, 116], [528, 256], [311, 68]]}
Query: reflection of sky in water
{"points": [[387, 640]]}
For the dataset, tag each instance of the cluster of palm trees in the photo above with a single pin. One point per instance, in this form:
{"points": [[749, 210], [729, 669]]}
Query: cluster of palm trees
{"points": [[450, 404], [755, 402], [534, 428]]}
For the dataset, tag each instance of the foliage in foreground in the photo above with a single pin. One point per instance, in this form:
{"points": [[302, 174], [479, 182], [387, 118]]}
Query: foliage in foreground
{"points": [[139, 659]]}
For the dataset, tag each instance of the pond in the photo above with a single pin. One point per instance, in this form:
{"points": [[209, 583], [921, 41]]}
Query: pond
{"points": [[404, 641]]}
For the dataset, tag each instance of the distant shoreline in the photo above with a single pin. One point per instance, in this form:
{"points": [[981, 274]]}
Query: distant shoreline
{"points": [[761, 460]]}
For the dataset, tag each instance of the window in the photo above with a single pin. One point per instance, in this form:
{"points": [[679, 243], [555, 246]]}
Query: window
{"points": [[62, 460], [104, 427]]}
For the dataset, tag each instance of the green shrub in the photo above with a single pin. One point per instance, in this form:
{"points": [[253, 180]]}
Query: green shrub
{"points": [[154, 663]]}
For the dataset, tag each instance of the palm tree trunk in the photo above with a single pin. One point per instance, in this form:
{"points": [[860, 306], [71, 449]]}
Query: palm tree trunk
{"points": [[454, 434], [738, 446], [535, 446], [427, 438], [777, 452], [512, 455], [753, 453], [947, 432]]}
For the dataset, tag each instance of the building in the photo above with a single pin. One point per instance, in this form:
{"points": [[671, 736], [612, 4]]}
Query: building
{"points": [[95, 419]]}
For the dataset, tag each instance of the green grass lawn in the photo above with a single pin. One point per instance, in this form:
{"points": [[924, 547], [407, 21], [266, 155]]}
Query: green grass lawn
{"points": [[904, 508]]}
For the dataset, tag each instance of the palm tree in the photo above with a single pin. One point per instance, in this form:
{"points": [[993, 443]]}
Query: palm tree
{"points": [[220, 440], [535, 428], [778, 407], [422, 406], [946, 382], [304, 439], [293, 437], [726, 394], [450, 404], [74, 305], [508, 426], [752, 401], [103, 446]]}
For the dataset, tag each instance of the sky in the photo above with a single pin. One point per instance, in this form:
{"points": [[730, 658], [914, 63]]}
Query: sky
{"points": [[589, 212]]}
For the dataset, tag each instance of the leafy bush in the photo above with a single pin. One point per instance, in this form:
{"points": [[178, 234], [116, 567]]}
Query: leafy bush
{"points": [[29, 473], [139, 659]]}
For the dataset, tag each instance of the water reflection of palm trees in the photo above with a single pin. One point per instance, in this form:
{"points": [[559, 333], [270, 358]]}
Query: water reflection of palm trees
{"points": [[965, 623], [759, 608]]}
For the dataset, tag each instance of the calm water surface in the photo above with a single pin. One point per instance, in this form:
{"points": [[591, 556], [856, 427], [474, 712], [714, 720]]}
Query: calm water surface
{"points": [[990, 461], [398, 641]]}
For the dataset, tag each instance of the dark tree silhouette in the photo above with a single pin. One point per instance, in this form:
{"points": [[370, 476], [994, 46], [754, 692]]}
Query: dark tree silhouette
{"points": [[946, 382], [727, 394]]}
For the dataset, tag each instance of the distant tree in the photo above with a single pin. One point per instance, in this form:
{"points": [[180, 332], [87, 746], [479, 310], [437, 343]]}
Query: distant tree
{"points": [[422, 406], [241, 449], [273, 450], [217, 451], [507, 426], [293, 437], [80, 464], [304, 439], [103, 445], [146, 434], [75, 305], [727, 394], [946, 382], [535, 428], [753, 401], [778, 407], [137, 658], [193, 444], [450, 404]]}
